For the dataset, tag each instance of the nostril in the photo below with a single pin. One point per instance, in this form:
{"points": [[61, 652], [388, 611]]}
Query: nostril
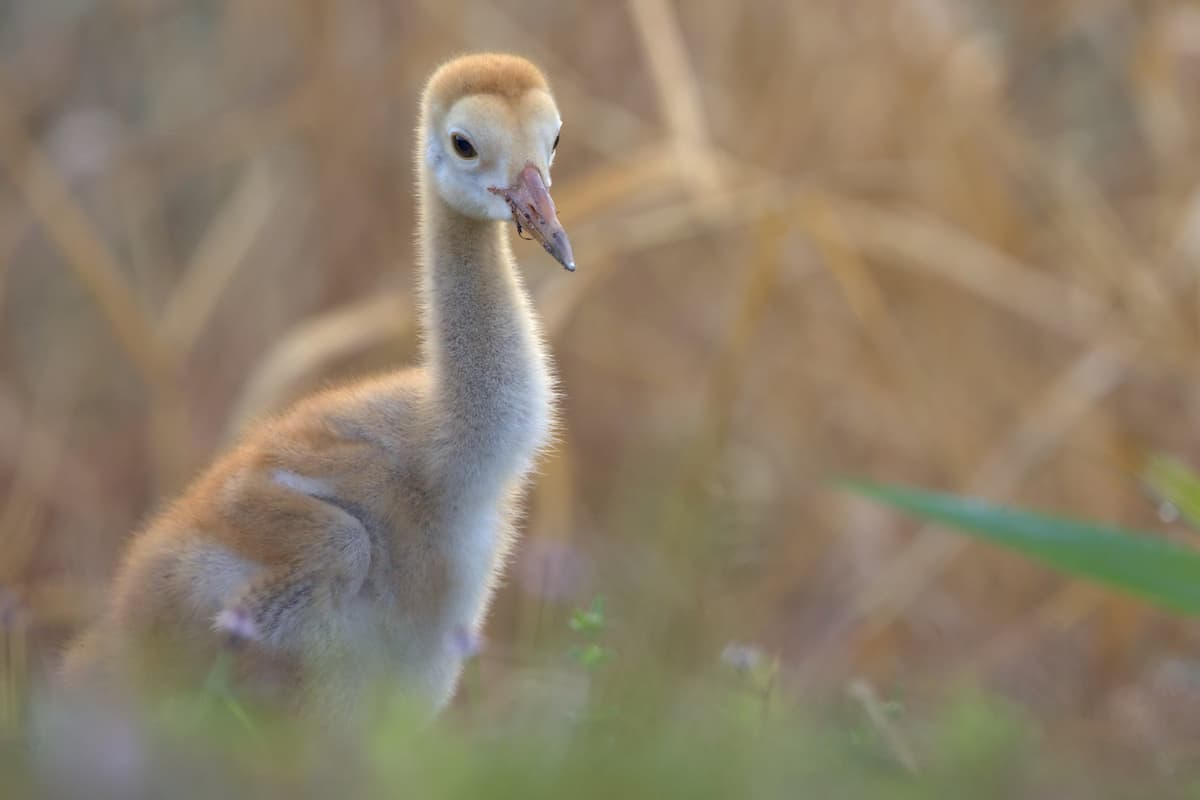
{"points": [[537, 172]]}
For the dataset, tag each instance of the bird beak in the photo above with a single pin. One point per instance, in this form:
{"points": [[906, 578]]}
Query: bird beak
{"points": [[533, 211]]}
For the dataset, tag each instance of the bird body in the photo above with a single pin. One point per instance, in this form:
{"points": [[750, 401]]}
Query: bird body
{"points": [[356, 540]]}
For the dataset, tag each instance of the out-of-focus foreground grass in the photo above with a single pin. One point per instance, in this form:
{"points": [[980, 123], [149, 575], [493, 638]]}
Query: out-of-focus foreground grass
{"points": [[949, 242]]}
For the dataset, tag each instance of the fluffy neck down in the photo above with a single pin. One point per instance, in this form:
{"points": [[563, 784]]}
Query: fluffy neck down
{"points": [[491, 388]]}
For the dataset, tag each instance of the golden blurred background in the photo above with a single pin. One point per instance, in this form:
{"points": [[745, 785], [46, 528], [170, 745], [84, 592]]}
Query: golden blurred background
{"points": [[952, 243]]}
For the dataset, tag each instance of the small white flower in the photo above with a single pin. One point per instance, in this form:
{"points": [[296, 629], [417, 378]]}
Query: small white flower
{"points": [[742, 657]]}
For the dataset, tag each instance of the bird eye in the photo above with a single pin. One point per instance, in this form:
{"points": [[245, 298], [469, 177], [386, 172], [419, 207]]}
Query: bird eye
{"points": [[463, 146], [554, 146]]}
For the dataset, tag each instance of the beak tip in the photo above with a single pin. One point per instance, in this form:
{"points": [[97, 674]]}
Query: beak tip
{"points": [[533, 211]]}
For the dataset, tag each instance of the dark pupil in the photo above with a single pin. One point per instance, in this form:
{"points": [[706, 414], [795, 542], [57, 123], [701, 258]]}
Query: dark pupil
{"points": [[463, 147], [555, 145]]}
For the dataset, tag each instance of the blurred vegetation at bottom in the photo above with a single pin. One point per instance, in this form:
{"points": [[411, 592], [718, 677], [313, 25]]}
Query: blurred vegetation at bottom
{"points": [[582, 712], [587, 728], [598, 720], [717, 744]]}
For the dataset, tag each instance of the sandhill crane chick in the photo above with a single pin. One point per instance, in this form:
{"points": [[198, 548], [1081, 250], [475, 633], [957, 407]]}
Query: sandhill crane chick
{"points": [[353, 540]]}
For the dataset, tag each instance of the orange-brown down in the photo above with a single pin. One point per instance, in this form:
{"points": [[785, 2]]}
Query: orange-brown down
{"points": [[353, 543]]}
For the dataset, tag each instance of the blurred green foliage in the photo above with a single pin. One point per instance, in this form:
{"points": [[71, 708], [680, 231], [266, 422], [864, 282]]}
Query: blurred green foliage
{"points": [[1142, 563], [1177, 485], [692, 742], [727, 732]]}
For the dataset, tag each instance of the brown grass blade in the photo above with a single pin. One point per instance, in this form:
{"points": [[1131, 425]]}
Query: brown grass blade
{"points": [[83, 249], [216, 261], [304, 352]]}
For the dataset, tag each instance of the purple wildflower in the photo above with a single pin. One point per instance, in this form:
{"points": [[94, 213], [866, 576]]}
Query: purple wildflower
{"points": [[465, 643], [237, 624], [11, 608]]}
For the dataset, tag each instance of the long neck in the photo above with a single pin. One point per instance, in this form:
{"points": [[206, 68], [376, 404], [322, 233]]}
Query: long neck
{"points": [[491, 388]]}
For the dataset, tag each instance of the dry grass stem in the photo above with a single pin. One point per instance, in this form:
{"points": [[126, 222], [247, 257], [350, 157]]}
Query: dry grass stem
{"points": [[215, 262], [1092, 377], [81, 246], [866, 696], [679, 95], [304, 353]]}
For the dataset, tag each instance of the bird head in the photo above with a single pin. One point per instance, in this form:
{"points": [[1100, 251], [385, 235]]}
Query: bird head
{"points": [[489, 131]]}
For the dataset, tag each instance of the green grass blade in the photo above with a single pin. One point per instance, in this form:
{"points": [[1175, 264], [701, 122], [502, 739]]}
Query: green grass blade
{"points": [[1141, 563], [239, 713], [1176, 484]]}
